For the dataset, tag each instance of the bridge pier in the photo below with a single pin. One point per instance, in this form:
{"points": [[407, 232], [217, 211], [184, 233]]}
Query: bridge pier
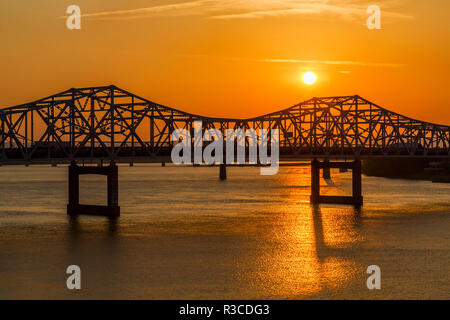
{"points": [[223, 171], [356, 198], [111, 209], [326, 170]]}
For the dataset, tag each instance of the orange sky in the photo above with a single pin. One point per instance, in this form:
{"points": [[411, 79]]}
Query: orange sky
{"points": [[235, 58]]}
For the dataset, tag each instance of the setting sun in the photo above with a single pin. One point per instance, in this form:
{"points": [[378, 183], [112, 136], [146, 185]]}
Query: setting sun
{"points": [[309, 78]]}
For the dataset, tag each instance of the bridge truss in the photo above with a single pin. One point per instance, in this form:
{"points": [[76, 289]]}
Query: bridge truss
{"points": [[108, 123]]}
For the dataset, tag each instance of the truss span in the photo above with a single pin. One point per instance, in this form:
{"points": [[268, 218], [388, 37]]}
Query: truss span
{"points": [[109, 123]]}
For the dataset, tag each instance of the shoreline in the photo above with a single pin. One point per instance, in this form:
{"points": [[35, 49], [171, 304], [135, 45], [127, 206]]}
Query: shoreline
{"points": [[410, 169]]}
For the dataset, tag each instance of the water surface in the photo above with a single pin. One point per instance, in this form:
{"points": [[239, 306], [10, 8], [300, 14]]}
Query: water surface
{"points": [[184, 234]]}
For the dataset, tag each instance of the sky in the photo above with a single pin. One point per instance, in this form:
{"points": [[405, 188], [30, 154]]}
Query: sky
{"points": [[231, 58]]}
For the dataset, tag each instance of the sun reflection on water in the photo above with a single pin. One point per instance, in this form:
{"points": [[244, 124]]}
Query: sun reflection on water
{"points": [[308, 245]]}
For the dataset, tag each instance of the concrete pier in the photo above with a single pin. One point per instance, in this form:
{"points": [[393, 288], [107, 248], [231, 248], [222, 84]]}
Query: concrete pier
{"points": [[223, 171], [315, 181], [326, 170], [356, 198], [356, 185], [111, 209]]}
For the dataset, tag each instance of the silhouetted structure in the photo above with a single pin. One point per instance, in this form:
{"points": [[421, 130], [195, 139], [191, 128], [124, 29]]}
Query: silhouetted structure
{"points": [[355, 199], [110, 124], [111, 172]]}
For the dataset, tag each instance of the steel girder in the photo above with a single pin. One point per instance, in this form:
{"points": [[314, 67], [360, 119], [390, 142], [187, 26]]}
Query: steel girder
{"points": [[108, 123]]}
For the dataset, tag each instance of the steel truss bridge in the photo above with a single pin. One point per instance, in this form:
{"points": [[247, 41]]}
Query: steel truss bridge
{"points": [[111, 124]]}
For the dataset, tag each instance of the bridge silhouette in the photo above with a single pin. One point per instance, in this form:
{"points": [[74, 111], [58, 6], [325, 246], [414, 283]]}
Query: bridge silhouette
{"points": [[98, 124]]}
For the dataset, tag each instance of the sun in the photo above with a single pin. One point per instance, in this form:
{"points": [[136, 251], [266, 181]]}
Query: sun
{"points": [[309, 78]]}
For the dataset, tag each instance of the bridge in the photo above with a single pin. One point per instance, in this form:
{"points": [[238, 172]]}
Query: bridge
{"points": [[109, 124]]}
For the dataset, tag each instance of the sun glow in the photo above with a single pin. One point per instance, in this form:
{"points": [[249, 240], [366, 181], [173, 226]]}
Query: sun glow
{"points": [[309, 78]]}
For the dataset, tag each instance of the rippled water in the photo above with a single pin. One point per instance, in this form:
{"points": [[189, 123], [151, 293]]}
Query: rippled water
{"points": [[183, 233]]}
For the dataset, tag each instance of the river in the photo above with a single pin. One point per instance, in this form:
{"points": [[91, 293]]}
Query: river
{"points": [[184, 234]]}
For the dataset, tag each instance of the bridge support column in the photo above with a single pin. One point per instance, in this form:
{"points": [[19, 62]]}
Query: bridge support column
{"points": [[326, 171], [356, 198], [223, 171], [315, 181], [74, 187], [75, 208], [356, 183], [113, 186]]}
